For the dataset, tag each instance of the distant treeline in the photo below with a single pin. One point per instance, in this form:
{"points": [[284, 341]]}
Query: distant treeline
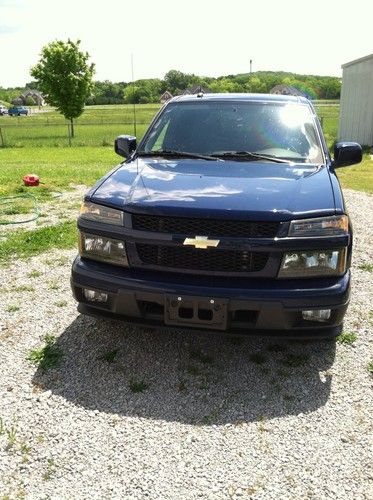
{"points": [[176, 82]]}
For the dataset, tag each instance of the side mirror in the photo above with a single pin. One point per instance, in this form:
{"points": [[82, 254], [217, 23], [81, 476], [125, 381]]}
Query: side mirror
{"points": [[347, 153], [125, 145]]}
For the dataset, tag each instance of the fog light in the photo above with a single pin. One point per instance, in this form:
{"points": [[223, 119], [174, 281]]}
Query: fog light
{"points": [[316, 315], [94, 296]]}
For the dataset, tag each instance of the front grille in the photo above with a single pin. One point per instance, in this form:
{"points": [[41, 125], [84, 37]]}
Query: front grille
{"points": [[210, 259], [205, 227]]}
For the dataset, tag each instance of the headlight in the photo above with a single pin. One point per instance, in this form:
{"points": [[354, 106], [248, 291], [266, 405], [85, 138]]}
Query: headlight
{"points": [[99, 213], [322, 226], [103, 249], [314, 263]]}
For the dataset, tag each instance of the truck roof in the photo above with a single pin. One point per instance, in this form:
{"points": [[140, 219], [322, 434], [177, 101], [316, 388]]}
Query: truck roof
{"points": [[240, 97]]}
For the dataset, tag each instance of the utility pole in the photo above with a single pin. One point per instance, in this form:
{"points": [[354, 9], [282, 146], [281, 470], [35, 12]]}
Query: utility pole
{"points": [[251, 66]]}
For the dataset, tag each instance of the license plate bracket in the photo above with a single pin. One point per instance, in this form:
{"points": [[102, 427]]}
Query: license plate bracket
{"points": [[198, 312]]}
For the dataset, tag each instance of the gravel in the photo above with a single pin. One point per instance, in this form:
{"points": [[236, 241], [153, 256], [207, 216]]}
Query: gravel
{"points": [[214, 418]]}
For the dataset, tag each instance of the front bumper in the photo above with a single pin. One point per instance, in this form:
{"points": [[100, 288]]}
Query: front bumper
{"points": [[246, 306]]}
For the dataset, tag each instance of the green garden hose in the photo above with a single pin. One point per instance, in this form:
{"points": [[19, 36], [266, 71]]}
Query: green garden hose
{"points": [[35, 210]]}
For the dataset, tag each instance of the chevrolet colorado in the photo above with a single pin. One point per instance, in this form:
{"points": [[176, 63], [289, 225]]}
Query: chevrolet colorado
{"points": [[227, 216]]}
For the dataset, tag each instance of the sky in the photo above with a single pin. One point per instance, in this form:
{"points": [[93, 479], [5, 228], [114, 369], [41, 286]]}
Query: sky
{"points": [[205, 37]]}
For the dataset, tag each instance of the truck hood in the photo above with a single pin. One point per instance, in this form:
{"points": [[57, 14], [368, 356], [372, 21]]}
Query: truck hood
{"points": [[239, 189]]}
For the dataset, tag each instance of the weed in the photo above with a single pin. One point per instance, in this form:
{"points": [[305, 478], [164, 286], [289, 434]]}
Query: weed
{"points": [[25, 451], [257, 358], [139, 386], [201, 356], [296, 360], [34, 274], [40, 439], [366, 267], [24, 288], [61, 303], [12, 308], [47, 356], [347, 338], [181, 386], [193, 370], [11, 434], [51, 469], [370, 367], [109, 356], [53, 286], [262, 422]]}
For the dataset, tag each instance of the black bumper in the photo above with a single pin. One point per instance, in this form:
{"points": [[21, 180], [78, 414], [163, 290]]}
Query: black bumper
{"points": [[256, 307]]}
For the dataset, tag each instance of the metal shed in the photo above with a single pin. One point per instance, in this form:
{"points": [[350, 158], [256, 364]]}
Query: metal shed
{"points": [[356, 115]]}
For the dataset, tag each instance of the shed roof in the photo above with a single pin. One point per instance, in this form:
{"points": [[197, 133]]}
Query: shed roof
{"points": [[356, 61]]}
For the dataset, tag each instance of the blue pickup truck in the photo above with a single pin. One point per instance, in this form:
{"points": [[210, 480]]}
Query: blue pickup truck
{"points": [[227, 216], [17, 111]]}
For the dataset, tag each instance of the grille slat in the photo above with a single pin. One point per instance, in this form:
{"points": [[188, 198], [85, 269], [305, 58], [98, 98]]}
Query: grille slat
{"points": [[205, 227], [210, 259]]}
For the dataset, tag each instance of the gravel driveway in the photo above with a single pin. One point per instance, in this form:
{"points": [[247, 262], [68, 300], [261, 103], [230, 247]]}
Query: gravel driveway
{"points": [[135, 413]]}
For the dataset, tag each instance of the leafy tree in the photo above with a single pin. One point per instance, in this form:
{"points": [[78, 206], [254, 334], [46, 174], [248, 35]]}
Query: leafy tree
{"points": [[30, 101], [64, 76], [177, 81]]}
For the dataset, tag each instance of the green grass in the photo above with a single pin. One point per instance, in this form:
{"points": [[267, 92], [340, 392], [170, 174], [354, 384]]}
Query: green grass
{"points": [[295, 360], [47, 356], [347, 338], [366, 267], [137, 387], [358, 177], [34, 274], [109, 356], [13, 308], [24, 244], [97, 126], [257, 358], [56, 167]]}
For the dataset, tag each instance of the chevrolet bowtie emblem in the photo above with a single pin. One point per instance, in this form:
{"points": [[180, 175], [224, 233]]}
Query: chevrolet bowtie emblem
{"points": [[202, 242]]}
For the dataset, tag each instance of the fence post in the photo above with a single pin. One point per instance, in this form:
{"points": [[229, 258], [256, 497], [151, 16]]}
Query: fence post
{"points": [[69, 133], [2, 138]]}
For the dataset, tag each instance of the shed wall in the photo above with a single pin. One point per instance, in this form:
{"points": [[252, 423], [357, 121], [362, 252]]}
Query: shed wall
{"points": [[356, 114]]}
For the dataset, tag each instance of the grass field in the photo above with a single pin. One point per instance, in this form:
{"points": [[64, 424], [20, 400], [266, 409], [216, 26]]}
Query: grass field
{"points": [[99, 125]]}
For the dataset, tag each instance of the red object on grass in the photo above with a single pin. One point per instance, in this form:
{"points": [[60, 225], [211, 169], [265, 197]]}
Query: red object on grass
{"points": [[31, 180]]}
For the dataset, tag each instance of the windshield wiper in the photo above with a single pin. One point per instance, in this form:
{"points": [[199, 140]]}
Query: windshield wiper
{"points": [[177, 154], [249, 154]]}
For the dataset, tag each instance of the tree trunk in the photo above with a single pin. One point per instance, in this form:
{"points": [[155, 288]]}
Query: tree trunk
{"points": [[72, 127]]}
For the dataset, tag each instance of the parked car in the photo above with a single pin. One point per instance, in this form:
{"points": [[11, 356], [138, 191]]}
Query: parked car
{"points": [[227, 216], [17, 111], [3, 110]]}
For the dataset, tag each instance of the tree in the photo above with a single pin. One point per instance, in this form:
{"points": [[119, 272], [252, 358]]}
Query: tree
{"points": [[64, 76]]}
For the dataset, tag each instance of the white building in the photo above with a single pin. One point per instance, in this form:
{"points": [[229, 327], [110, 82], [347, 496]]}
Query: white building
{"points": [[356, 115]]}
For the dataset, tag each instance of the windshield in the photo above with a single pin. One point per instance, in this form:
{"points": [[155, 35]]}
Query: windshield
{"points": [[278, 130]]}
